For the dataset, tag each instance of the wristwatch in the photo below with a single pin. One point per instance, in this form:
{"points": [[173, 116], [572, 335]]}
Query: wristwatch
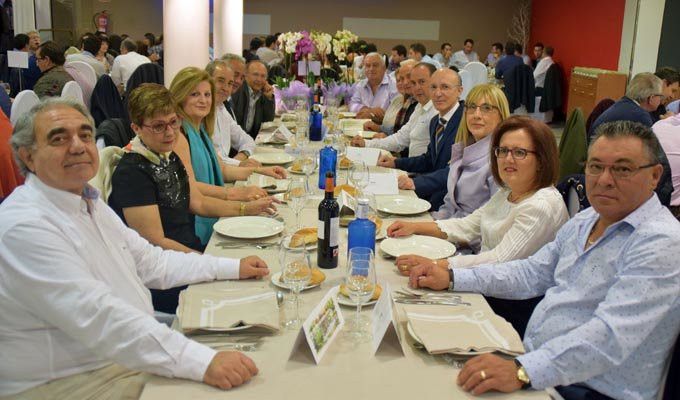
{"points": [[246, 152], [522, 375], [450, 279]]}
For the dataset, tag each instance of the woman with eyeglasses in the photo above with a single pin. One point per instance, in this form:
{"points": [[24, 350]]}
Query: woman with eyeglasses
{"points": [[470, 183], [523, 215]]}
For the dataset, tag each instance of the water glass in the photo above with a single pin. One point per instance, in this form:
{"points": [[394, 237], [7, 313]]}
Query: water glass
{"points": [[360, 177], [296, 272], [360, 280]]}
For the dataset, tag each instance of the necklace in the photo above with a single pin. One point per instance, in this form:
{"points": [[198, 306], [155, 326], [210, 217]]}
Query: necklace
{"points": [[520, 197]]}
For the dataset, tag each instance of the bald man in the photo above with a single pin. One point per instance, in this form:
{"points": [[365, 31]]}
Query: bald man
{"points": [[374, 93], [254, 102]]}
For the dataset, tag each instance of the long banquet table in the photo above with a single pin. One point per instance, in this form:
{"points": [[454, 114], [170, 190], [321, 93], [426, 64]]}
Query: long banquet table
{"points": [[348, 370]]}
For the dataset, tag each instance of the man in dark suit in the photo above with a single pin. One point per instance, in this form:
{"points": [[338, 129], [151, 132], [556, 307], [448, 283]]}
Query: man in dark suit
{"points": [[254, 101], [433, 166]]}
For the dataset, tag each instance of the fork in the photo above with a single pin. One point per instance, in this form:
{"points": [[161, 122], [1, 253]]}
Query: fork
{"points": [[258, 245]]}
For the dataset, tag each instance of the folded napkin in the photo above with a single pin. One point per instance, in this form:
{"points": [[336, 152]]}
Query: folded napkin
{"points": [[281, 135], [261, 181], [352, 125], [208, 308], [450, 329]]}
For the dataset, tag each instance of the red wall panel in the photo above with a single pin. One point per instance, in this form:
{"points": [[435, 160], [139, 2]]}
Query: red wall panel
{"points": [[584, 33]]}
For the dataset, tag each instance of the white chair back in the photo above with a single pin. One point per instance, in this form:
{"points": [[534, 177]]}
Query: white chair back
{"points": [[84, 74], [466, 80], [108, 161], [478, 73], [22, 104], [573, 205], [72, 91]]}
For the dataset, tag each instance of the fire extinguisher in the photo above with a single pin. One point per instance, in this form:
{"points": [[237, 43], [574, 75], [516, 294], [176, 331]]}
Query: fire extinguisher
{"points": [[101, 21]]}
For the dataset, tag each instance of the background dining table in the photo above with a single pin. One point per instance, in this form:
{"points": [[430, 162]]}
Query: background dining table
{"points": [[348, 370]]}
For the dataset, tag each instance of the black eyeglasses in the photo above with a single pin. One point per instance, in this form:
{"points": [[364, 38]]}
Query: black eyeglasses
{"points": [[517, 153], [622, 171], [161, 127]]}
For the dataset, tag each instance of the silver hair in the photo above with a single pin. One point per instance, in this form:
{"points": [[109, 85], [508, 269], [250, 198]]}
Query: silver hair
{"points": [[213, 65], [408, 61], [128, 44], [233, 57], [643, 86], [624, 129], [374, 54], [24, 130]]}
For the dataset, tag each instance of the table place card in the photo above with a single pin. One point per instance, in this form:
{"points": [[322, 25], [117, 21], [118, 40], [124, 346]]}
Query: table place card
{"points": [[283, 129], [385, 331], [17, 59], [382, 183], [364, 154], [346, 203], [320, 328]]}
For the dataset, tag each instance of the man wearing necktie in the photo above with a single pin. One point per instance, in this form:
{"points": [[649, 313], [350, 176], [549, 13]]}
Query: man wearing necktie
{"points": [[433, 166]]}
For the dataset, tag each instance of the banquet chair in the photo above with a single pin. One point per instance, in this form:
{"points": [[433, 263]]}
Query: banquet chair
{"points": [[84, 74], [551, 99], [519, 88], [466, 81], [478, 73], [145, 73], [108, 160], [573, 145], [72, 91], [114, 132], [600, 107], [106, 102], [22, 104], [5, 103], [573, 191]]}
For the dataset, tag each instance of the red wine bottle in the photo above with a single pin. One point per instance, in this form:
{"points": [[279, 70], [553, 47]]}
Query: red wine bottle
{"points": [[328, 228]]}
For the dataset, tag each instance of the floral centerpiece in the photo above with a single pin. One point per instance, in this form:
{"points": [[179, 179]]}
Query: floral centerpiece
{"points": [[287, 93], [341, 43]]}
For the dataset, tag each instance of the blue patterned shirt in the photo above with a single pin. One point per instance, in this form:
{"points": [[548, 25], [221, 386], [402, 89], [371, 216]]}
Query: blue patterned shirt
{"points": [[611, 313]]}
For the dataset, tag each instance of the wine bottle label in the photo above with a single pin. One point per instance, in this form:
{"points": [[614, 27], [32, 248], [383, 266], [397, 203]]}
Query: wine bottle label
{"points": [[334, 234], [335, 231]]}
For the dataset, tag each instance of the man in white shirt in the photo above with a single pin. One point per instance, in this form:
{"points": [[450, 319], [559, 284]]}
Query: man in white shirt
{"points": [[238, 65], [268, 53], [89, 48], [373, 95], [228, 134], [466, 55], [75, 309], [542, 67], [444, 57], [416, 133], [126, 63]]}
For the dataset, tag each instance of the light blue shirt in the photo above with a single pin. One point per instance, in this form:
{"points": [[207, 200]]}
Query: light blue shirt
{"points": [[611, 313], [364, 97]]}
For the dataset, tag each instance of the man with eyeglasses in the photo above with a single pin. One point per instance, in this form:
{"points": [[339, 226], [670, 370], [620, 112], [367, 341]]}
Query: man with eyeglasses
{"points": [[50, 59], [643, 96], [611, 311], [433, 166], [232, 144]]}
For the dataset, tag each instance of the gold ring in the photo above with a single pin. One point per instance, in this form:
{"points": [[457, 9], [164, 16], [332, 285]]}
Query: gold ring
{"points": [[483, 374]]}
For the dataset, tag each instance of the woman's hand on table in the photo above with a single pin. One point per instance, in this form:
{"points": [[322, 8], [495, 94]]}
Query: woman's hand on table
{"points": [[245, 193], [229, 369], [252, 267], [489, 372], [429, 276], [407, 262], [277, 172], [386, 161], [406, 183], [261, 206], [249, 162], [380, 135], [371, 126]]}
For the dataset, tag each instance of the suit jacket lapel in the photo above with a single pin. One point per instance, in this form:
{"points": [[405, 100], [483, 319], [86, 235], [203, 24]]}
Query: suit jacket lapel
{"points": [[451, 128]]}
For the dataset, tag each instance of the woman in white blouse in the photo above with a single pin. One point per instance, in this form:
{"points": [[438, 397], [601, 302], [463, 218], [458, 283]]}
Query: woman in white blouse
{"points": [[519, 219]]}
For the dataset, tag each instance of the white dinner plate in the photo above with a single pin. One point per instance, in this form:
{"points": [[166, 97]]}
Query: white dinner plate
{"points": [[415, 337], [347, 114], [425, 246], [364, 134], [276, 280], [402, 205], [248, 227], [346, 301], [272, 158]]}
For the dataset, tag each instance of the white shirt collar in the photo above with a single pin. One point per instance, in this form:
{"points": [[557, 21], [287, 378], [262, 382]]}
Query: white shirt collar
{"points": [[66, 201], [452, 111]]}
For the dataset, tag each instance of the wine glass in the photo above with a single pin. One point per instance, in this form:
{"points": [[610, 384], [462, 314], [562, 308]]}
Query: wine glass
{"points": [[360, 176], [296, 195], [308, 159], [340, 146], [296, 272], [360, 282]]}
